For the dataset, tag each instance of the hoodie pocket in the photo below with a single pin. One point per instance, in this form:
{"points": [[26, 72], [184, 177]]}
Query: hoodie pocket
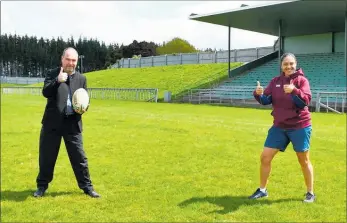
{"points": [[283, 115]]}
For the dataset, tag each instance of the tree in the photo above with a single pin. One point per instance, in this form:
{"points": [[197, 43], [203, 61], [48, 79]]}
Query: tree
{"points": [[176, 45], [145, 49], [114, 53], [34, 56]]}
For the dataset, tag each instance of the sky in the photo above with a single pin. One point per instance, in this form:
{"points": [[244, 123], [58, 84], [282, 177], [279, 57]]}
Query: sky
{"points": [[124, 21]]}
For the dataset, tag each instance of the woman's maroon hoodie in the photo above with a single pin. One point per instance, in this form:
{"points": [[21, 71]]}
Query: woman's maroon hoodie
{"points": [[290, 111]]}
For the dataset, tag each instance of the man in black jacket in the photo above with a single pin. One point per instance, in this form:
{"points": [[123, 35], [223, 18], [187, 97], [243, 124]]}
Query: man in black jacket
{"points": [[60, 120]]}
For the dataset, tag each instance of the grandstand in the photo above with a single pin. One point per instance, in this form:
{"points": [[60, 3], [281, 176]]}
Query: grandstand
{"points": [[324, 71], [317, 39]]}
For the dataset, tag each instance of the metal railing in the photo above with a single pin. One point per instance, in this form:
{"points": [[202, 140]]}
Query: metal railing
{"points": [[126, 94], [331, 101], [21, 80], [221, 96], [243, 95]]}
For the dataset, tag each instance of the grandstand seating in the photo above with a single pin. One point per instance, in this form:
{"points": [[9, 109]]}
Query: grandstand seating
{"points": [[324, 71]]}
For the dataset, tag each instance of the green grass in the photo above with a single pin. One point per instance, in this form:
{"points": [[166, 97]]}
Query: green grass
{"points": [[175, 78], [169, 163], [13, 85]]}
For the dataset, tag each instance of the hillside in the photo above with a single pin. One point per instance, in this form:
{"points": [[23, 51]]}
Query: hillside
{"points": [[174, 78]]}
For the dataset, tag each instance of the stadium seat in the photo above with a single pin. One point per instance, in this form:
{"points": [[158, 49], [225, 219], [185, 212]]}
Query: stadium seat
{"points": [[324, 71]]}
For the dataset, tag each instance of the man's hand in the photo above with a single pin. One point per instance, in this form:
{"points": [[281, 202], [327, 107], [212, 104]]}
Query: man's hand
{"points": [[81, 110], [259, 89], [62, 76]]}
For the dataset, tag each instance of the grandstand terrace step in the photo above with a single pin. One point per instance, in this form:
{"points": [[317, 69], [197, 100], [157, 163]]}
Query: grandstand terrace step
{"points": [[324, 71]]}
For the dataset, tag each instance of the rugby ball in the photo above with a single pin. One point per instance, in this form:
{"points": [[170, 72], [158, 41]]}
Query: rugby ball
{"points": [[80, 99]]}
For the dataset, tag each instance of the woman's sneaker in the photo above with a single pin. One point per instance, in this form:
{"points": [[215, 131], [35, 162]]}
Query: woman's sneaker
{"points": [[258, 194], [309, 198]]}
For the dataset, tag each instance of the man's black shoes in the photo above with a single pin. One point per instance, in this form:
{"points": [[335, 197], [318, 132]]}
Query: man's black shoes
{"points": [[92, 193], [39, 192]]}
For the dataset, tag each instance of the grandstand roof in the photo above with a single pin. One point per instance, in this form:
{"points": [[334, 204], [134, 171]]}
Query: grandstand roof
{"points": [[299, 17]]}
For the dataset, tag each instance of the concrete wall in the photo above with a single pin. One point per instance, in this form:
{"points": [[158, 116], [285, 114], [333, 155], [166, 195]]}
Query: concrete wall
{"points": [[317, 43], [340, 42], [240, 55]]}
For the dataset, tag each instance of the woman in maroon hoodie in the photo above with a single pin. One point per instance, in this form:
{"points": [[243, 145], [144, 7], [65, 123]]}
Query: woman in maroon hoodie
{"points": [[290, 94]]}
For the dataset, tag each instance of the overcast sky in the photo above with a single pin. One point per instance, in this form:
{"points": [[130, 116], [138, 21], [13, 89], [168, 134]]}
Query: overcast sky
{"points": [[125, 21]]}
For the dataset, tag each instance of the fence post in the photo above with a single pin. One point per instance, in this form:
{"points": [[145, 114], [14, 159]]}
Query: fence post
{"points": [[317, 102], [216, 56], [235, 55], [140, 62], [343, 105], [197, 58], [166, 59], [156, 95], [128, 62], [181, 58], [152, 61], [190, 95], [257, 52]]}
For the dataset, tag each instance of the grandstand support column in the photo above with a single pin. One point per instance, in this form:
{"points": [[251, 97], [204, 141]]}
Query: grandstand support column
{"points": [[280, 43], [229, 51], [346, 41]]}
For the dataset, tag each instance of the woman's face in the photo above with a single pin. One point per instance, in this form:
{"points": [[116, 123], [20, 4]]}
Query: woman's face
{"points": [[288, 65]]}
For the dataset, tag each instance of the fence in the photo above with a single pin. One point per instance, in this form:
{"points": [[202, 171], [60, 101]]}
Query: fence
{"points": [[243, 95], [21, 80], [337, 101], [129, 94], [331, 101], [235, 95], [240, 55]]}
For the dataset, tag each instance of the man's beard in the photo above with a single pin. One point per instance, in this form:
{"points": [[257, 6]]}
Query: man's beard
{"points": [[70, 70]]}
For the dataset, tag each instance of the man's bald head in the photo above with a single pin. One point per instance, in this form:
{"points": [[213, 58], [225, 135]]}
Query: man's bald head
{"points": [[69, 60], [70, 50]]}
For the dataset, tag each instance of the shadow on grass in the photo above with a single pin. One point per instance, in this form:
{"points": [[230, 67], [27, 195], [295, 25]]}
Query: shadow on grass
{"points": [[231, 203], [18, 196]]}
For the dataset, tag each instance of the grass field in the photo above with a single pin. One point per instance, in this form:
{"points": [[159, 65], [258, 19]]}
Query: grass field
{"points": [[174, 78], [169, 163], [13, 85]]}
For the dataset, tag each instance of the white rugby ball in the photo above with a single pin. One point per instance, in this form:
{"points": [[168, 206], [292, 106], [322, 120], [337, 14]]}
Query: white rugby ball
{"points": [[80, 99]]}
